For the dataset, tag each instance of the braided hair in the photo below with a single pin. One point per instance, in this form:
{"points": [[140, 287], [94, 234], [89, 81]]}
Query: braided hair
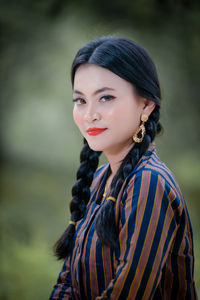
{"points": [[131, 62]]}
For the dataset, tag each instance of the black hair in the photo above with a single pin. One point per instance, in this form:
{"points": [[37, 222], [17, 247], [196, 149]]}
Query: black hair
{"points": [[131, 62]]}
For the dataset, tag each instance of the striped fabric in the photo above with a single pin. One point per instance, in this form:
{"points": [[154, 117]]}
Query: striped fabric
{"points": [[153, 258]]}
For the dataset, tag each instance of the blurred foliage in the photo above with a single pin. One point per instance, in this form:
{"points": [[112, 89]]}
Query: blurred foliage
{"points": [[40, 143]]}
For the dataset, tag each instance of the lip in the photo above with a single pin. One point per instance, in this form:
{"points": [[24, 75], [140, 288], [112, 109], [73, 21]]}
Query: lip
{"points": [[95, 131]]}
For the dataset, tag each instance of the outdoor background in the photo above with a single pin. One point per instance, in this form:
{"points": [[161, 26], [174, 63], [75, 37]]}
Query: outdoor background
{"points": [[40, 142]]}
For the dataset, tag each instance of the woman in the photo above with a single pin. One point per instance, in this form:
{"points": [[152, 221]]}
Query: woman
{"points": [[130, 235]]}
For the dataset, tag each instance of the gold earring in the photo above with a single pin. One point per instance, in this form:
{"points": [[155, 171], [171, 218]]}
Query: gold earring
{"points": [[141, 130]]}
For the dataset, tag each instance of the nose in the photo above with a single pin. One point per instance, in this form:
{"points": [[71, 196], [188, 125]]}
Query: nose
{"points": [[91, 113]]}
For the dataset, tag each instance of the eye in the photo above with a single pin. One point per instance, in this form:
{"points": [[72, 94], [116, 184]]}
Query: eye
{"points": [[107, 98], [78, 100]]}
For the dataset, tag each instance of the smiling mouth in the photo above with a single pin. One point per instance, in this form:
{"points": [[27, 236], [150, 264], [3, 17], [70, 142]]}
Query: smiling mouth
{"points": [[95, 131]]}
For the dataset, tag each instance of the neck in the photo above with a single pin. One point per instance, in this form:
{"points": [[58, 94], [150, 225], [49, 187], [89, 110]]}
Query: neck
{"points": [[116, 156]]}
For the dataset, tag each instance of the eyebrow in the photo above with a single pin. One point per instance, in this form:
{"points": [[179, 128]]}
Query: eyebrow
{"points": [[96, 92]]}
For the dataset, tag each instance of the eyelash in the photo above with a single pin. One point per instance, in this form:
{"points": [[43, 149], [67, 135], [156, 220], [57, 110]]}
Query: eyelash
{"points": [[108, 97]]}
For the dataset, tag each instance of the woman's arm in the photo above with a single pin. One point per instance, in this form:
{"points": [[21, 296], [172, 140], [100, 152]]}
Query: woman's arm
{"points": [[63, 287], [148, 228]]}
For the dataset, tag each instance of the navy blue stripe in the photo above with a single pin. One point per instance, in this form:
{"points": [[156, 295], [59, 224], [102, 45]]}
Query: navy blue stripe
{"points": [[141, 238], [132, 217], [131, 227], [99, 267], [87, 268], [154, 247], [171, 230]]}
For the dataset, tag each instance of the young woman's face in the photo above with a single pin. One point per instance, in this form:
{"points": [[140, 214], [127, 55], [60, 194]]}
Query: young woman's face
{"points": [[106, 101]]}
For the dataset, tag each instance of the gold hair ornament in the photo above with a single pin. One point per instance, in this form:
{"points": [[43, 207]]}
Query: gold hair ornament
{"points": [[72, 223], [141, 130], [111, 198]]}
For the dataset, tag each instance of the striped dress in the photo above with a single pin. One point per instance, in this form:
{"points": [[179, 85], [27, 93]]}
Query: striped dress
{"points": [[153, 257]]}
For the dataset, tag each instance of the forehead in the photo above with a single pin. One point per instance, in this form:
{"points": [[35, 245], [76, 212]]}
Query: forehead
{"points": [[90, 76]]}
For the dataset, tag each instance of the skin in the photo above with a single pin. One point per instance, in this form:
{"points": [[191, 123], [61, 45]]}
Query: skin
{"points": [[118, 109]]}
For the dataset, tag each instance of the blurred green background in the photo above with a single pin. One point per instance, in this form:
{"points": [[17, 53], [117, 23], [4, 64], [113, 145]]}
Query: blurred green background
{"points": [[40, 142]]}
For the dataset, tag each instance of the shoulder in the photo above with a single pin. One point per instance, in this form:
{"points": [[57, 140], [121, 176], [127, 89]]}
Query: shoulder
{"points": [[157, 170], [154, 179], [149, 188]]}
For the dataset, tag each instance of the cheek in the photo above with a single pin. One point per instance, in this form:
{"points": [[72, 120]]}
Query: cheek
{"points": [[77, 117], [113, 113], [121, 116]]}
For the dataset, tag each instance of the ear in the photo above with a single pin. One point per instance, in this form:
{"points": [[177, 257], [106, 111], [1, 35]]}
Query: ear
{"points": [[148, 107]]}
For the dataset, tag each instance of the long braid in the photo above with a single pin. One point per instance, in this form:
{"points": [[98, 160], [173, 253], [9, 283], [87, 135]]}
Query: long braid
{"points": [[105, 218], [80, 196]]}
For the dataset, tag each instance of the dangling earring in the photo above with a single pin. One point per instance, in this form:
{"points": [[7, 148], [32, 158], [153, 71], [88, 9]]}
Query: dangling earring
{"points": [[141, 130]]}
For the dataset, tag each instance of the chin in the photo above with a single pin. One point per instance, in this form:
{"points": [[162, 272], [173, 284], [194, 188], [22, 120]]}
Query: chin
{"points": [[95, 147]]}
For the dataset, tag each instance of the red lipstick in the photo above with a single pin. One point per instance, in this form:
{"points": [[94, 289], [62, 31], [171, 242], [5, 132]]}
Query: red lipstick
{"points": [[95, 131]]}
